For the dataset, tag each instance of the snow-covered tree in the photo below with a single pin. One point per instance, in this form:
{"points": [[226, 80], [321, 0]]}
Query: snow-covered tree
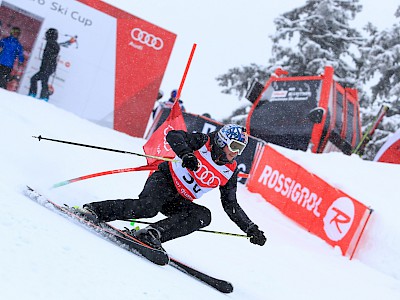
{"points": [[307, 39], [238, 80], [381, 61], [318, 34], [381, 70]]}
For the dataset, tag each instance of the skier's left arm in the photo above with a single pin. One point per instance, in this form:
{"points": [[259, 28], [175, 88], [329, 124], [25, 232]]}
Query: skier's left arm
{"points": [[237, 214]]}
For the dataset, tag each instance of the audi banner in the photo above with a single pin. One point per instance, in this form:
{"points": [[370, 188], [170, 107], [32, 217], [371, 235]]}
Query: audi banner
{"points": [[319, 207], [110, 65]]}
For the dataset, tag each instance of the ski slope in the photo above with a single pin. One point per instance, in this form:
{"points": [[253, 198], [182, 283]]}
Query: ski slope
{"points": [[44, 256]]}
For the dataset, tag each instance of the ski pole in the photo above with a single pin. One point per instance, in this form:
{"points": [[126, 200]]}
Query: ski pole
{"points": [[202, 230], [106, 149]]}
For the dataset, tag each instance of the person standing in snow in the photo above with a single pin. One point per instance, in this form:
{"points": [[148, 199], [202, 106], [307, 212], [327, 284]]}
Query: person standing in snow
{"points": [[10, 50], [47, 67], [203, 162], [170, 102]]}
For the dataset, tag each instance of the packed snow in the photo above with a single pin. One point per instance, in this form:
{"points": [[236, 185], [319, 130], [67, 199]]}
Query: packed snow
{"points": [[45, 256]]}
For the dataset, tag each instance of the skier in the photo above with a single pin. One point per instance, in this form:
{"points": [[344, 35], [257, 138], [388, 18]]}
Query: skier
{"points": [[206, 161], [47, 67]]}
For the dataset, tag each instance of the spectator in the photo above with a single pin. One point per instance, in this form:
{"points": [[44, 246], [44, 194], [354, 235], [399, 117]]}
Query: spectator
{"points": [[10, 50], [167, 104], [172, 99], [160, 94], [47, 67]]}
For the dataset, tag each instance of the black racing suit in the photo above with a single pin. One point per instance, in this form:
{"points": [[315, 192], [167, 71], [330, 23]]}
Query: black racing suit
{"points": [[160, 195]]}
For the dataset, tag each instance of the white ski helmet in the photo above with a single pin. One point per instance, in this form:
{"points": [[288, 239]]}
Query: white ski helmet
{"points": [[234, 136]]}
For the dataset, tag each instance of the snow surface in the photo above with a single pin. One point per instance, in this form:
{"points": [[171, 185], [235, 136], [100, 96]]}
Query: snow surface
{"points": [[45, 256]]}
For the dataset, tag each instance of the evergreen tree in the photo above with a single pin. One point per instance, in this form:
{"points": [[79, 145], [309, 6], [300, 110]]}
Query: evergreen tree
{"points": [[238, 80], [307, 39], [318, 34], [380, 65]]}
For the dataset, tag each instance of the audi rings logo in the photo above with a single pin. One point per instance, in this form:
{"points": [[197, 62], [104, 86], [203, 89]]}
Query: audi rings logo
{"points": [[206, 176], [167, 129], [147, 39]]}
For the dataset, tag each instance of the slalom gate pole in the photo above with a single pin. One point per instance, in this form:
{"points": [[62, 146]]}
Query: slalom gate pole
{"points": [[142, 168], [202, 230], [102, 148], [178, 95]]}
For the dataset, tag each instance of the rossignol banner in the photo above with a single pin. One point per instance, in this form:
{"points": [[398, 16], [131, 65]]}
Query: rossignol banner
{"points": [[110, 65], [307, 199]]}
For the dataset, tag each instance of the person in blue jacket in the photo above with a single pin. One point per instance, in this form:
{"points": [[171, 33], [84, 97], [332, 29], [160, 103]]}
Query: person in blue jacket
{"points": [[10, 50]]}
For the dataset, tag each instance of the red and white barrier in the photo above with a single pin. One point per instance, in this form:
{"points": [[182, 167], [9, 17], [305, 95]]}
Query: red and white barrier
{"points": [[320, 208]]}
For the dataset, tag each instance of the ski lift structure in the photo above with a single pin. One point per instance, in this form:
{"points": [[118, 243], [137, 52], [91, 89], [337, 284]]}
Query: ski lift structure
{"points": [[306, 112]]}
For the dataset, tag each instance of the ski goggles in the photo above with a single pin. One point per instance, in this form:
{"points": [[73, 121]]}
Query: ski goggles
{"points": [[236, 146]]}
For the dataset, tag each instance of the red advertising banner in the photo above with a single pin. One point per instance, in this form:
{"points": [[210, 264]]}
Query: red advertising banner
{"points": [[322, 209], [142, 53]]}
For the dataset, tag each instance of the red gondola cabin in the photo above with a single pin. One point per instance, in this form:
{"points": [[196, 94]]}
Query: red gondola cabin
{"points": [[308, 112]]}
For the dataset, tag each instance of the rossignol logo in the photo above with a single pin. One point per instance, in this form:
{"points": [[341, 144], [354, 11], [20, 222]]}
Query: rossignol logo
{"points": [[291, 189], [145, 38], [339, 218]]}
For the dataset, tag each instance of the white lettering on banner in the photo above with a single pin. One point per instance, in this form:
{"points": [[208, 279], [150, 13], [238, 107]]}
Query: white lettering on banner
{"points": [[242, 168], [207, 128], [339, 218], [290, 189], [167, 129]]}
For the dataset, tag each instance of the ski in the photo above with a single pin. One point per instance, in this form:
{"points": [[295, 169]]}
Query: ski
{"points": [[106, 230], [219, 284], [129, 242]]}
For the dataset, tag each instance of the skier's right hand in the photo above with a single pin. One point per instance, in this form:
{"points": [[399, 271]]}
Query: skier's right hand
{"points": [[190, 162]]}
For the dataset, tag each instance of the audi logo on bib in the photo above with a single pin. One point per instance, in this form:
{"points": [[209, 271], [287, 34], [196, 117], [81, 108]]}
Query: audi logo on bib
{"points": [[207, 177], [147, 39]]}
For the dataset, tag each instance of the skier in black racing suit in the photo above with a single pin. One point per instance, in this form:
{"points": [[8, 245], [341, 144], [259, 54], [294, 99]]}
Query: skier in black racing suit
{"points": [[206, 161]]}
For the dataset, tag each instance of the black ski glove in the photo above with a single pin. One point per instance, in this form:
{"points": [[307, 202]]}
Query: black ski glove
{"points": [[256, 235], [190, 161]]}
